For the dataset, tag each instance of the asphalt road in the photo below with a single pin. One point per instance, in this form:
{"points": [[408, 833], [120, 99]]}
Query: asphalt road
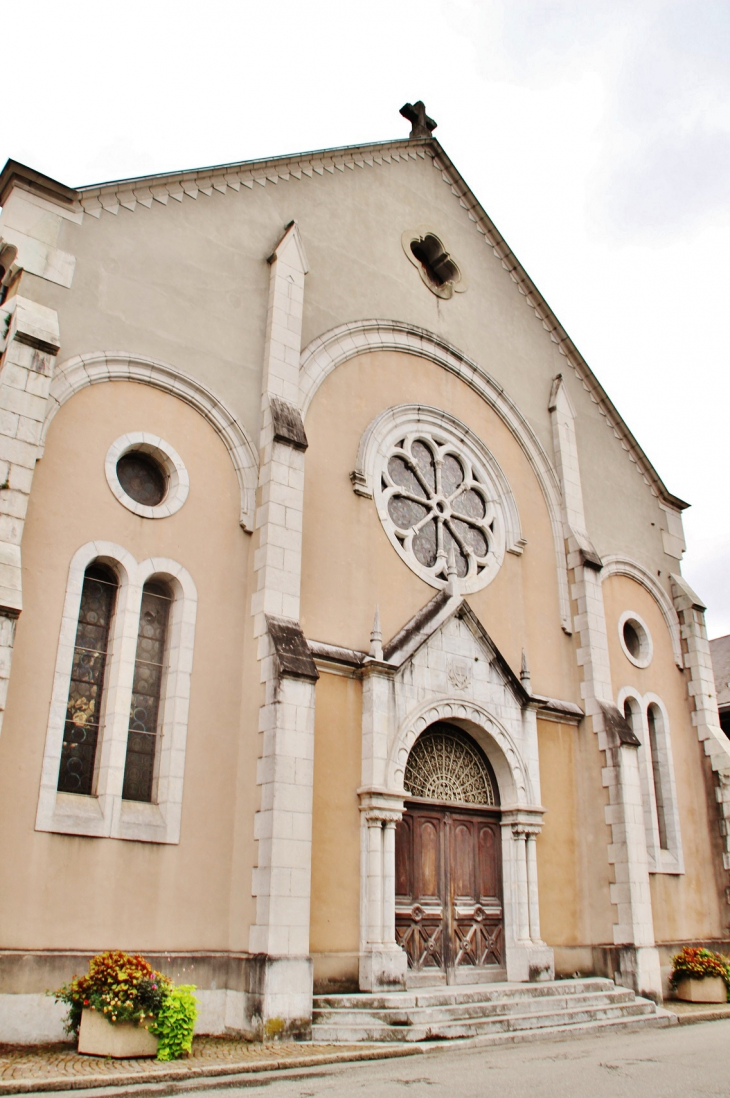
{"points": [[681, 1061]]}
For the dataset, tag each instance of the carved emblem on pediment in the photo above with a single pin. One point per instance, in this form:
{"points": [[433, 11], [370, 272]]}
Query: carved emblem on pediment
{"points": [[459, 674]]}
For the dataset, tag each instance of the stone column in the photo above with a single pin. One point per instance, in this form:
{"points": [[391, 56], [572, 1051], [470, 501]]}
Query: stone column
{"points": [[389, 826], [532, 894], [527, 956], [374, 826], [383, 964], [283, 826], [523, 906], [29, 344]]}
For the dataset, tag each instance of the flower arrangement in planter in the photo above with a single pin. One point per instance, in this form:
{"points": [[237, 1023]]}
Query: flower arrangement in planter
{"points": [[700, 975], [123, 1007]]}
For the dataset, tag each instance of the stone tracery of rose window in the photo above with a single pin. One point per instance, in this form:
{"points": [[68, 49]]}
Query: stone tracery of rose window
{"points": [[437, 503]]}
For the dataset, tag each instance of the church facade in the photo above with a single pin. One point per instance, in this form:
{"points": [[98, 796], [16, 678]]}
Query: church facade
{"points": [[344, 638]]}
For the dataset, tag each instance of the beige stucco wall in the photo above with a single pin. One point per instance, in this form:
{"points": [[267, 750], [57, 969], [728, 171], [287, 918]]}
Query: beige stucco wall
{"points": [[88, 893], [187, 282], [335, 908], [348, 563], [689, 905], [572, 850]]}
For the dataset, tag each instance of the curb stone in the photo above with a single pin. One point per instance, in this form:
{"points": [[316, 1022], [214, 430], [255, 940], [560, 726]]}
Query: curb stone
{"points": [[170, 1079]]}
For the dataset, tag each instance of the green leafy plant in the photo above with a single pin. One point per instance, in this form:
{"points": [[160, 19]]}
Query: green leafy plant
{"points": [[697, 963], [175, 1022], [122, 986], [125, 988]]}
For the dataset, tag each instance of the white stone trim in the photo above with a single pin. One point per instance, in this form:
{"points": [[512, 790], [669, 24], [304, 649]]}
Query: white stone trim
{"points": [[702, 696], [459, 286], [178, 481], [105, 814], [375, 448], [670, 860], [325, 353], [509, 767], [646, 645], [623, 566], [99, 366]]}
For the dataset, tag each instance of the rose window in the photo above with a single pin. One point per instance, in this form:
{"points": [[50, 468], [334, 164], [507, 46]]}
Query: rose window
{"points": [[438, 502]]}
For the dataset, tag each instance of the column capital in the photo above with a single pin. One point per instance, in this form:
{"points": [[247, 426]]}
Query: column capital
{"points": [[381, 805]]}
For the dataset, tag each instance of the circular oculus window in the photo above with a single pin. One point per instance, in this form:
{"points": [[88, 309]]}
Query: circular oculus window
{"points": [[146, 475], [433, 501], [635, 639]]}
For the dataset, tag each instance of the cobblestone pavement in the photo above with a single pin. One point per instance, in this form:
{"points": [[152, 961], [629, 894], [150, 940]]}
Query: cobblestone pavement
{"points": [[60, 1067], [29, 1069]]}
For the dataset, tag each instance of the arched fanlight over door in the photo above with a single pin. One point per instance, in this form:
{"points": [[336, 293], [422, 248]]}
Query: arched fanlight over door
{"points": [[446, 765]]}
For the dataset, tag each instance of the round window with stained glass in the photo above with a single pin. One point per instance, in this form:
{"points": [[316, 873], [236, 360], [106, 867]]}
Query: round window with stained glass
{"points": [[434, 502]]}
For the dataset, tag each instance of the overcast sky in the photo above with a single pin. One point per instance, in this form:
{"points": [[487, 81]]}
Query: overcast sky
{"points": [[596, 133]]}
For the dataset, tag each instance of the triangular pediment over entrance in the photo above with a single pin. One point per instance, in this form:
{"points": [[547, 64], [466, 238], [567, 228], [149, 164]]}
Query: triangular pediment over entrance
{"points": [[446, 667]]}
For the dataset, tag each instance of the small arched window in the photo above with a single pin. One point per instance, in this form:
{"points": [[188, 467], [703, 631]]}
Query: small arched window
{"points": [[84, 708], [655, 724], [140, 769]]}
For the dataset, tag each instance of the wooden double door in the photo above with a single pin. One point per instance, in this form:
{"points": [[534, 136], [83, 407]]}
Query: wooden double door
{"points": [[448, 893]]}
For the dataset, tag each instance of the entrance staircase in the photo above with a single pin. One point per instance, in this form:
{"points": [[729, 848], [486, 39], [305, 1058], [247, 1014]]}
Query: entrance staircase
{"points": [[494, 1013]]}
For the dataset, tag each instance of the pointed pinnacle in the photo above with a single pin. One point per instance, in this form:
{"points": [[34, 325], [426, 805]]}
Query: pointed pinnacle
{"points": [[376, 637]]}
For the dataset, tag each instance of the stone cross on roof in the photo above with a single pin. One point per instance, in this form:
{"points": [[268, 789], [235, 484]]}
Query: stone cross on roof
{"points": [[421, 124]]}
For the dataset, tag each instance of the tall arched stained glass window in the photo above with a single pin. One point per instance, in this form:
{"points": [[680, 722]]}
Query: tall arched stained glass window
{"points": [[85, 697], [149, 670], [654, 720]]}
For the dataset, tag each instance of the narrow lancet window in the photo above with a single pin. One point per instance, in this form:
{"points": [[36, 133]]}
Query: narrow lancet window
{"points": [[149, 670], [654, 720], [84, 708]]}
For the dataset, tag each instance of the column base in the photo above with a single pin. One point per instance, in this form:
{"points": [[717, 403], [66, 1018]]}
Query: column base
{"points": [[283, 996], [530, 962], [383, 969], [639, 968]]}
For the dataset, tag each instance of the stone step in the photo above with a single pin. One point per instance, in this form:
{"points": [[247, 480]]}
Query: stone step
{"points": [[480, 1009], [367, 1029], [466, 993]]}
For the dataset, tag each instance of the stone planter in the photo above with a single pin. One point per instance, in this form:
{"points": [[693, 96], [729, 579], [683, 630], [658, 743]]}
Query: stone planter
{"points": [[711, 989], [122, 1040]]}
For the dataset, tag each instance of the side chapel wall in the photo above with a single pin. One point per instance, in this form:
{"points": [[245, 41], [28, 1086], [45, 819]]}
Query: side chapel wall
{"points": [[104, 893], [692, 904]]}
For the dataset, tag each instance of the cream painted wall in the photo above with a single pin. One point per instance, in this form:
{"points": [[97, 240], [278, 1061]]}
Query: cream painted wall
{"points": [[349, 564], [87, 893], [690, 905], [335, 910], [572, 850], [187, 282]]}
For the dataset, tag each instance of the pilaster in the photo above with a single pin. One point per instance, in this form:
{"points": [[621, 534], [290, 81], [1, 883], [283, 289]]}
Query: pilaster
{"points": [[630, 892], [383, 964], [703, 698], [283, 825], [29, 344]]}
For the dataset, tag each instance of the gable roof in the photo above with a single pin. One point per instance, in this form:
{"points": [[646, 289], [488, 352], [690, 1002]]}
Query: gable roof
{"points": [[144, 190]]}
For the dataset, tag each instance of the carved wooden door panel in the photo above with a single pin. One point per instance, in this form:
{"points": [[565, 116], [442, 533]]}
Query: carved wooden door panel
{"points": [[475, 879], [449, 892], [419, 889]]}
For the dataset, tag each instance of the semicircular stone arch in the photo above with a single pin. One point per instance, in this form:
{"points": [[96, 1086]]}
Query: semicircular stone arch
{"points": [[93, 368], [326, 352], [623, 566], [513, 782]]}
